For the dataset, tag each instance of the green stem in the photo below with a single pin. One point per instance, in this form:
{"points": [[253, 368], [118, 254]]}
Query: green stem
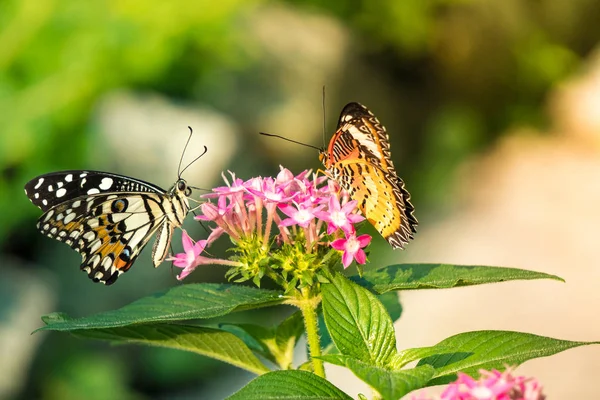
{"points": [[308, 307]]}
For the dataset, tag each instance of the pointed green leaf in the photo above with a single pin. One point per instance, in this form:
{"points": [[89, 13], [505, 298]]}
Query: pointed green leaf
{"points": [[335, 359], [289, 385], [242, 332], [391, 384], [439, 276], [185, 302], [391, 302], [491, 349], [357, 322], [212, 343], [406, 356], [275, 344]]}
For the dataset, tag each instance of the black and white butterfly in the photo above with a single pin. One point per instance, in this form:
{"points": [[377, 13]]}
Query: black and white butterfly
{"points": [[108, 218]]}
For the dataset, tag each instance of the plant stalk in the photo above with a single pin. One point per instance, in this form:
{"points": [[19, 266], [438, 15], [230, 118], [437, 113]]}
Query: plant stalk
{"points": [[308, 307]]}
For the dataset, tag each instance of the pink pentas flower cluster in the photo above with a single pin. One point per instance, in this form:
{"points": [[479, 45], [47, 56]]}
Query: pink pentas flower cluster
{"points": [[492, 385], [262, 214]]}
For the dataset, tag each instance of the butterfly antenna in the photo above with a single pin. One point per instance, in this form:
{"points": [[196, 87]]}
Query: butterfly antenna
{"points": [[289, 140], [183, 153], [194, 160], [324, 116], [199, 188]]}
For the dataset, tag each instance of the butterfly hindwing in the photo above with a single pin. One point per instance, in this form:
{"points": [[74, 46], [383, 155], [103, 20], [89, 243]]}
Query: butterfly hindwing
{"points": [[358, 157], [107, 218]]}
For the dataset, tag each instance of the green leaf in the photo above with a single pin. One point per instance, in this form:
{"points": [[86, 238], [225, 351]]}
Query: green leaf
{"points": [[391, 384], [391, 302], [358, 323], [212, 343], [406, 356], [441, 276], [289, 385], [491, 349], [275, 344], [185, 302], [335, 359]]}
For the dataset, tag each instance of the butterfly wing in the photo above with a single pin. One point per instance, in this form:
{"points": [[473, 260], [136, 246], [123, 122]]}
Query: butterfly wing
{"points": [[107, 218], [361, 135], [382, 199], [359, 157], [48, 190]]}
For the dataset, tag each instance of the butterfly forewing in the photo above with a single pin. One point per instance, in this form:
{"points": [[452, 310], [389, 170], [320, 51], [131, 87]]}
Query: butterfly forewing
{"points": [[107, 218], [51, 189], [358, 157]]}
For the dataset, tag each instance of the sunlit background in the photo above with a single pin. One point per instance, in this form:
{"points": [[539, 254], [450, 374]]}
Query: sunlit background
{"points": [[493, 111]]}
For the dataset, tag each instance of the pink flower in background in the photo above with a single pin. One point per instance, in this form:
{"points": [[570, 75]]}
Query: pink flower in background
{"points": [[492, 385], [352, 247]]}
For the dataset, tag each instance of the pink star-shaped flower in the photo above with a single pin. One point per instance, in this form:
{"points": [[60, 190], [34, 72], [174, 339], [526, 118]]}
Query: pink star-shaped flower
{"points": [[190, 258], [340, 217], [352, 247], [236, 186], [210, 212], [270, 192], [301, 215]]}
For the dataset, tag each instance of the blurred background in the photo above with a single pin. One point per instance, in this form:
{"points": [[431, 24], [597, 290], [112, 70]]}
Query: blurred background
{"points": [[493, 111]]}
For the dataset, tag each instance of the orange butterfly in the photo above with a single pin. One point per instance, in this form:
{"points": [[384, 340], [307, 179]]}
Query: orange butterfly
{"points": [[358, 158]]}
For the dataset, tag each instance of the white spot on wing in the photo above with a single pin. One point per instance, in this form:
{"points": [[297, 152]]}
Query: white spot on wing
{"points": [[89, 236], [36, 195], [49, 215], [50, 188], [105, 184], [76, 204], [95, 246], [93, 191], [61, 192], [83, 175], [107, 263], [39, 183], [69, 178], [60, 184], [45, 202], [69, 218], [95, 260]]}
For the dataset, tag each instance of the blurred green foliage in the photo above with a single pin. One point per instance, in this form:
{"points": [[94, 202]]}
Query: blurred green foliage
{"points": [[448, 76]]}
